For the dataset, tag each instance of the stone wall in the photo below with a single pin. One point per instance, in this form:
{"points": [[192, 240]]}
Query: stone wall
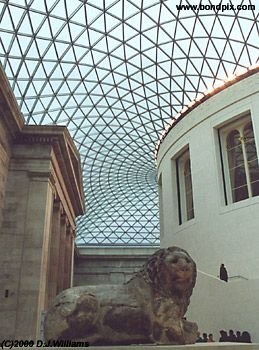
{"points": [[4, 163], [108, 265], [41, 194]]}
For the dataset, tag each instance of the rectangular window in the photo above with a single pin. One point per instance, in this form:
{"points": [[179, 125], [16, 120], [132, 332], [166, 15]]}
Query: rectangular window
{"points": [[240, 160], [184, 186], [161, 210]]}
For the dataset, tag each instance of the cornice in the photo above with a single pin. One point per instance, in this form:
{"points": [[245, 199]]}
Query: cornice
{"points": [[9, 109], [66, 158], [197, 102]]}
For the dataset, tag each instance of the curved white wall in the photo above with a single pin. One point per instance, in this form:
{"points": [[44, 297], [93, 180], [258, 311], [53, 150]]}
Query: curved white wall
{"points": [[219, 233], [217, 305]]}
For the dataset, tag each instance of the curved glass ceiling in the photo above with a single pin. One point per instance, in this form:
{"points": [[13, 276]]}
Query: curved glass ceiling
{"points": [[115, 73]]}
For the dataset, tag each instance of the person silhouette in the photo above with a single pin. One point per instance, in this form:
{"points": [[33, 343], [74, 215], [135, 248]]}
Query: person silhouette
{"points": [[199, 338], [246, 337], [238, 335], [204, 338], [231, 336], [210, 338], [223, 274], [223, 336]]}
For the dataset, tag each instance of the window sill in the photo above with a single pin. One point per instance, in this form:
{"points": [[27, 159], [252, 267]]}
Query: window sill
{"points": [[185, 225], [239, 205]]}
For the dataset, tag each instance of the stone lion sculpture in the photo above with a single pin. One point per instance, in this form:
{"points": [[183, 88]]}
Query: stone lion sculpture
{"points": [[149, 308]]}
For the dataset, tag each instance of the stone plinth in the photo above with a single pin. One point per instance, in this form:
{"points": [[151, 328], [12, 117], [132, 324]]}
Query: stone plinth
{"points": [[205, 346], [41, 195], [200, 346]]}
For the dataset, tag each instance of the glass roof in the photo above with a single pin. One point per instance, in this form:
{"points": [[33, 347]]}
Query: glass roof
{"points": [[115, 72]]}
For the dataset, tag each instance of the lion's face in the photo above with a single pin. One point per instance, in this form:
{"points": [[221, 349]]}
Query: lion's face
{"points": [[171, 271], [178, 271]]}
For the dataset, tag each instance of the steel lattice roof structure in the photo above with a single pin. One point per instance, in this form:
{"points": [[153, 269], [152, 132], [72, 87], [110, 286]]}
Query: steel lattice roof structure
{"points": [[116, 72]]}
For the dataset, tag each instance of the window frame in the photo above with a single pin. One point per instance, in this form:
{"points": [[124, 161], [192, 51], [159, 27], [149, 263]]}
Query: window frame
{"points": [[182, 195], [224, 131], [161, 204]]}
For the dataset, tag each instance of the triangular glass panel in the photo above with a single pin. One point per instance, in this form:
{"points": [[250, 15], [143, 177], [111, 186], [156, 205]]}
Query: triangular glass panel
{"points": [[15, 49], [162, 56], [42, 45], [31, 94], [236, 33], [79, 52], [226, 22], [79, 16], [36, 119], [229, 53], [169, 27], [72, 7], [219, 28], [237, 48], [58, 9], [99, 23], [111, 23], [47, 90], [66, 67], [6, 40], [64, 90], [22, 86], [95, 37], [178, 52], [64, 35], [2, 8], [134, 21], [50, 53], [69, 55], [245, 59], [49, 66], [148, 24], [73, 84], [38, 109], [76, 30], [56, 25], [24, 42], [33, 52], [204, 23], [45, 30], [164, 37], [38, 5], [15, 64], [23, 72], [25, 27], [16, 13], [9, 71], [37, 20]]}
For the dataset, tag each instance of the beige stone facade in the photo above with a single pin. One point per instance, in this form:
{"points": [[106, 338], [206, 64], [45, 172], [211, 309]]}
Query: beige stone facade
{"points": [[108, 265], [40, 196]]}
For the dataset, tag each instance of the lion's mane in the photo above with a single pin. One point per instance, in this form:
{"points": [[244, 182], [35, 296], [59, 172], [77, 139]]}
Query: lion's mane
{"points": [[151, 273]]}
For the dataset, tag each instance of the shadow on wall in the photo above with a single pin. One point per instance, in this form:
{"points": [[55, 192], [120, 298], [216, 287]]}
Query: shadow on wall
{"points": [[216, 305]]}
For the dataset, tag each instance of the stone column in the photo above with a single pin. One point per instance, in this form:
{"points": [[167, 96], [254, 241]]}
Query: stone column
{"points": [[53, 270], [66, 261], [69, 258], [62, 251], [72, 258], [34, 259]]}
